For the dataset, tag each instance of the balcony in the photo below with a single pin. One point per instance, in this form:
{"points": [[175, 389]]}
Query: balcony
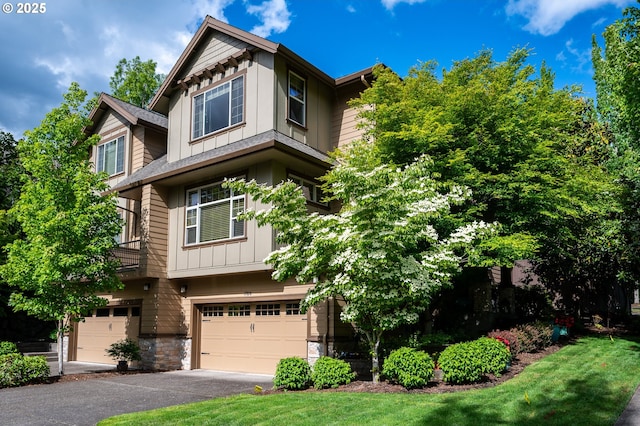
{"points": [[129, 254]]}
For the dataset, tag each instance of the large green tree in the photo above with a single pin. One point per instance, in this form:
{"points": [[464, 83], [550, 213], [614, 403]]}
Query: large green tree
{"points": [[380, 253], [65, 255], [135, 81], [529, 152]]}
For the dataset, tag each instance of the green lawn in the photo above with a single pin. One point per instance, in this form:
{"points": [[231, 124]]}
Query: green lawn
{"points": [[586, 383]]}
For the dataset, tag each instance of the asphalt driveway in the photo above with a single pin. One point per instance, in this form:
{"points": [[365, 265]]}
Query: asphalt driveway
{"points": [[89, 401]]}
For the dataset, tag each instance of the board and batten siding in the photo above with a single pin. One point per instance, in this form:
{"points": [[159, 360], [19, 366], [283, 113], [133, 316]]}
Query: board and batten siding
{"points": [[224, 257], [113, 125], [258, 105]]}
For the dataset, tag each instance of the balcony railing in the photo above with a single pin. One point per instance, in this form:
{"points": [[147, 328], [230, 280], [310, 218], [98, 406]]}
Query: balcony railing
{"points": [[129, 254]]}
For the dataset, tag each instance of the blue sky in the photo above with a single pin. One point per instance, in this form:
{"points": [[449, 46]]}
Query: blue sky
{"points": [[83, 40]]}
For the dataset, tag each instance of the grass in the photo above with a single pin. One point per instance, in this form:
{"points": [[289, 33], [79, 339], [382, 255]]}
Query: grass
{"points": [[586, 383]]}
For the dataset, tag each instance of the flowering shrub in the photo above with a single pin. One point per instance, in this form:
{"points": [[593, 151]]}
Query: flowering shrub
{"points": [[509, 338], [292, 373], [331, 372], [408, 367], [564, 321]]}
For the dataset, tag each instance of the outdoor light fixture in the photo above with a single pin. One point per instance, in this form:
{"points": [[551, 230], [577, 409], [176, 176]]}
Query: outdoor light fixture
{"points": [[146, 286], [183, 288]]}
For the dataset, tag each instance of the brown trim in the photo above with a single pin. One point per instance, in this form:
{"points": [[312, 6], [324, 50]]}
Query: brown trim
{"points": [[249, 299], [211, 86], [214, 134], [127, 142], [214, 243], [315, 181]]}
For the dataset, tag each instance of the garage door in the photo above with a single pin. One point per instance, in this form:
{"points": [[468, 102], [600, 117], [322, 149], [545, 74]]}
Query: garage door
{"points": [[104, 327], [252, 337]]}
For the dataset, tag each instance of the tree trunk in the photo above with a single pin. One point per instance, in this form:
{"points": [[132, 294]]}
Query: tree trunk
{"points": [[374, 346], [60, 347]]}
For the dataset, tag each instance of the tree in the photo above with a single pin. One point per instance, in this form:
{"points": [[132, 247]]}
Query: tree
{"points": [[65, 256], [135, 81], [380, 253], [530, 153]]}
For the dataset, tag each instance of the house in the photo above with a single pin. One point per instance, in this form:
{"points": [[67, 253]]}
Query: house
{"points": [[197, 293]]}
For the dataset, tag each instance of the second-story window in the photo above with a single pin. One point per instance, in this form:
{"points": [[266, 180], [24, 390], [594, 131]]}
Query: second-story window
{"points": [[297, 98], [310, 189], [218, 108], [110, 157], [212, 214]]}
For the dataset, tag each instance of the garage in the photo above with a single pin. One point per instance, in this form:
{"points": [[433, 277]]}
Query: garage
{"points": [[251, 337], [104, 327]]}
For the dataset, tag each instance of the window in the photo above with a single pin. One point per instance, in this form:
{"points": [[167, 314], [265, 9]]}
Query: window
{"points": [[239, 310], [110, 158], [102, 312], [120, 312], [293, 309], [212, 214], [268, 309], [218, 108], [212, 311], [311, 190], [297, 98]]}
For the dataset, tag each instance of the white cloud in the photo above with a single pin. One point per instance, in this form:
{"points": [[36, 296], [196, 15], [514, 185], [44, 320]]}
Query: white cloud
{"points": [[547, 17], [275, 17], [351, 8], [390, 4], [213, 8]]}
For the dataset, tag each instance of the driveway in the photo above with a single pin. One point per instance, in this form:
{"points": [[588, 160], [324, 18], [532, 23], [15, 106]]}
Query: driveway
{"points": [[89, 401]]}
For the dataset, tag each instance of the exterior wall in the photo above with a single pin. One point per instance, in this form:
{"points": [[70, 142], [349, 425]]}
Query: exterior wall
{"points": [[258, 102], [154, 228], [112, 126], [319, 104], [345, 118], [165, 353]]}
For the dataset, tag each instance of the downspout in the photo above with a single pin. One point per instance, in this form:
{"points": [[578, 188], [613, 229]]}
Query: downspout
{"points": [[364, 81]]}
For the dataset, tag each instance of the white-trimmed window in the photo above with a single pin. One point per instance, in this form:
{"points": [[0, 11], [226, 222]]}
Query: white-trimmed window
{"points": [[110, 157], [311, 190], [297, 98], [212, 214], [218, 108]]}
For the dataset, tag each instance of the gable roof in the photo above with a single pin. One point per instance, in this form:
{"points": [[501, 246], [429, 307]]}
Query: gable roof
{"points": [[171, 82], [133, 114]]}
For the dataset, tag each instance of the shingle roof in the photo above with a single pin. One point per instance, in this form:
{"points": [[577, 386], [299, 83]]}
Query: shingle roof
{"points": [[133, 114], [161, 168]]}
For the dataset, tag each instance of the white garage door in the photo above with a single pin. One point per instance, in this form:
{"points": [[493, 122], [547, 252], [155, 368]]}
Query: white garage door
{"points": [[104, 327], [251, 337]]}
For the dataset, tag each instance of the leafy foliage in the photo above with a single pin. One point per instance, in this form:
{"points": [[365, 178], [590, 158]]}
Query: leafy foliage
{"points": [[495, 356], [8, 348], [331, 372], [534, 336], [135, 81], [124, 350], [461, 363], [408, 367], [510, 338], [18, 370], [292, 373], [65, 256], [380, 253]]}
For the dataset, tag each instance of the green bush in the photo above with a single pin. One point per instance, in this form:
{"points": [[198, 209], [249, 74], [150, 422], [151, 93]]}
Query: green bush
{"points": [[408, 367], [331, 372], [292, 373], [494, 355], [17, 370], [461, 363], [534, 337], [8, 348], [510, 336]]}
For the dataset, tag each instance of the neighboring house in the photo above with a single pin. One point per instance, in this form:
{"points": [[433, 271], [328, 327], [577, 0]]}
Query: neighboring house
{"points": [[197, 293]]}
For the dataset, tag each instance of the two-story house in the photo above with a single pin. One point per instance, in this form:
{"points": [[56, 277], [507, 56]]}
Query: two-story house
{"points": [[197, 293]]}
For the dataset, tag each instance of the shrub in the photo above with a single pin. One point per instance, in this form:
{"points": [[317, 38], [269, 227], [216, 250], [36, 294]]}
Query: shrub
{"points": [[292, 373], [8, 348], [494, 355], [510, 336], [16, 370], [534, 337], [124, 350], [461, 363], [408, 367], [35, 369], [331, 372]]}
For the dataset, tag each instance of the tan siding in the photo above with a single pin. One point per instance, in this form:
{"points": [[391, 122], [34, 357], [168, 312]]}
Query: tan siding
{"points": [[345, 119], [154, 224], [217, 47], [137, 149]]}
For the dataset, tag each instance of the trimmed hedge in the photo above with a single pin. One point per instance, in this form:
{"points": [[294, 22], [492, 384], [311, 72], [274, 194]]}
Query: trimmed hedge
{"points": [[292, 373], [494, 355], [461, 363], [408, 367], [8, 348], [18, 370], [331, 372]]}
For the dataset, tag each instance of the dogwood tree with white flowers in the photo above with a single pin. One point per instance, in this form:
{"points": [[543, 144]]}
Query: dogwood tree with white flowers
{"points": [[380, 252]]}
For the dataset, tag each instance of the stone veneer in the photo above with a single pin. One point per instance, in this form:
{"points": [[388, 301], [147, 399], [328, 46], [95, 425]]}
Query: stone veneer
{"points": [[165, 353]]}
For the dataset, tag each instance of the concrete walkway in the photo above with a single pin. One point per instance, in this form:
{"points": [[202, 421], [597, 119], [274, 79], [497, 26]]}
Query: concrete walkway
{"points": [[85, 402], [631, 415]]}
